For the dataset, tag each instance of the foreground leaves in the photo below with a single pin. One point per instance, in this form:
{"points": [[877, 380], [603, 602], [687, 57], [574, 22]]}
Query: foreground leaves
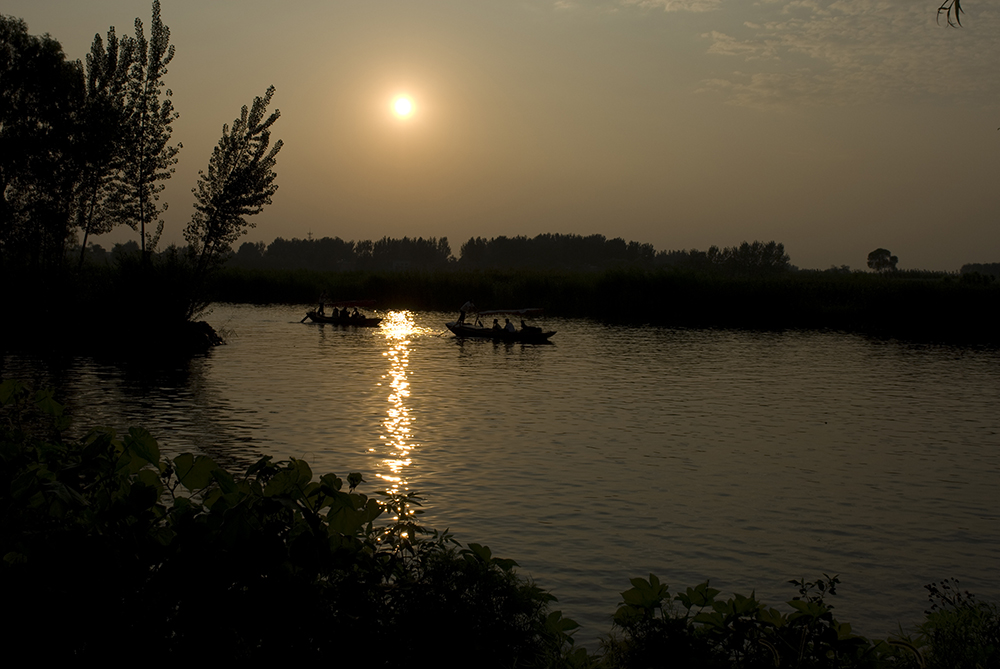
{"points": [[184, 556]]}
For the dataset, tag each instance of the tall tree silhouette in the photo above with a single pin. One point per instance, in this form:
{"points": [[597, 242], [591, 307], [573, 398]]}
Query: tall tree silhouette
{"points": [[239, 183], [148, 159], [101, 143], [39, 96]]}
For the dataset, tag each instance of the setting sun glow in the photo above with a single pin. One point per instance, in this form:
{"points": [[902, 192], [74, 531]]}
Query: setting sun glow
{"points": [[403, 106]]}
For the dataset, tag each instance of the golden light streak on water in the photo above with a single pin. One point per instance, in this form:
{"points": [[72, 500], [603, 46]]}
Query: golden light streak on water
{"points": [[397, 428]]}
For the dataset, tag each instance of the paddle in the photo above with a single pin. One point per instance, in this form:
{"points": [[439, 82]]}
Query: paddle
{"points": [[304, 318]]}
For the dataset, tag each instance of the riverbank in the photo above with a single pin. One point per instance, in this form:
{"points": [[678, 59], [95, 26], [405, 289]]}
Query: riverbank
{"points": [[132, 307], [129, 310], [916, 306]]}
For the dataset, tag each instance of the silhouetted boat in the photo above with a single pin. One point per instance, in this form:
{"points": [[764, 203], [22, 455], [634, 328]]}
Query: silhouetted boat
{"points": [[363, 322], [360, 321], [525, 335]]}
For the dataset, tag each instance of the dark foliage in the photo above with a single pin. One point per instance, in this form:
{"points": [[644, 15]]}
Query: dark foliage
{"points": [[330, 254], [881, 260], [983, 269], [239, 184], [694, 628], [912, 305], [960, 632], [40, 96], [108, 548], [554, 251]]}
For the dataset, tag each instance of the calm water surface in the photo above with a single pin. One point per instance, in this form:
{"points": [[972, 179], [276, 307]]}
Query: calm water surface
{"points": [[746, 458]]}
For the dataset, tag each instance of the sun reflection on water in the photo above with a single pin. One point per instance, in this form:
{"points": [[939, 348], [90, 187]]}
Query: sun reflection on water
{"points": [[398, 327]]}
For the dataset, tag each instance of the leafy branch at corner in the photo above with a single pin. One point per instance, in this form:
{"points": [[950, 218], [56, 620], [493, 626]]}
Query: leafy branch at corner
{"points": [[952, 9]]}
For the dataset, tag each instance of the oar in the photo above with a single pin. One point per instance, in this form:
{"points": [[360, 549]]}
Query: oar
{"points": [[304, 318]]}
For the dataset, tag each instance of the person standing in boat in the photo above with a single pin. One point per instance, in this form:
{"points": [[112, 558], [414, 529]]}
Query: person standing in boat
{"points": [[467, 307]]}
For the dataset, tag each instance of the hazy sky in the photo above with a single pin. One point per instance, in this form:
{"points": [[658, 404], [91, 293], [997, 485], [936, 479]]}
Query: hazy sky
{"points": [[834, 127]]}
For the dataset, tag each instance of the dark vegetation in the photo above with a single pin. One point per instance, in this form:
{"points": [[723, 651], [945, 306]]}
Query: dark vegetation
{"points": [[110, 547], [752, 285], [85, 149], [691, 291], [592, 253], [747, 286]]}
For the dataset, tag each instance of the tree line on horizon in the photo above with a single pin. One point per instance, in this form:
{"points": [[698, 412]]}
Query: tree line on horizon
{"points": [[550, 251]]}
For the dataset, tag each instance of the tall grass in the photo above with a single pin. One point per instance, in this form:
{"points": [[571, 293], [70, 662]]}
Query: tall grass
{"points": [[921, 306]]}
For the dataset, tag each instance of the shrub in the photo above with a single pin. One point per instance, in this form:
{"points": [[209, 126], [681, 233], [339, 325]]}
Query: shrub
{"points": [[959, 631], [739, 632], [108, 547]]}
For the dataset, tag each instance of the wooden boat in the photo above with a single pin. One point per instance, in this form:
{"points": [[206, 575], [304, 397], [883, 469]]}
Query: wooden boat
{"points": [[363, 322], [525, 335], [358, 321]]}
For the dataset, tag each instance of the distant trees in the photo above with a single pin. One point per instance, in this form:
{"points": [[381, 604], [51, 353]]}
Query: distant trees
{"points": [[555, 251], [986, 269], [406, 252], [596, 252], [881, 260], [335, 254], [543, 252], [749, 259]]}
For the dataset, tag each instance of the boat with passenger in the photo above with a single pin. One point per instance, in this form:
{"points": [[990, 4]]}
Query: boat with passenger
{"points": [[340, 314], [526, 334]]}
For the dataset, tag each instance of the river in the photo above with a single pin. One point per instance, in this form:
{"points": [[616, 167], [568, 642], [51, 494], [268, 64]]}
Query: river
{"points": [[742, 457]]}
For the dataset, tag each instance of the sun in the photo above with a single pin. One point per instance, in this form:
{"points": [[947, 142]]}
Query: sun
{"points": [[402, 106]]}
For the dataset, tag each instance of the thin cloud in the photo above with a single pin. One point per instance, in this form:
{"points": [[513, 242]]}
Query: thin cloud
{"points": [[795, 52], [677, 5], [848, 51]]}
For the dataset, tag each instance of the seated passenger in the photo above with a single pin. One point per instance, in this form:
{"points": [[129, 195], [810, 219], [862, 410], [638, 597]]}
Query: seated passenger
{"points": [[496, 324], [509, 327]]}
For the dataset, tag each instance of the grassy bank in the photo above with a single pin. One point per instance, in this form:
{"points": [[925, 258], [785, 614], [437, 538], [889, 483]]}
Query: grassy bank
{"points": [[919, 306], [109, 547], [132, 306]]}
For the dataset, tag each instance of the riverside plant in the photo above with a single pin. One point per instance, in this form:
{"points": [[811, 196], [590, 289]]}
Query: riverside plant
{"points": [[696, 628], [110, 547]]}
